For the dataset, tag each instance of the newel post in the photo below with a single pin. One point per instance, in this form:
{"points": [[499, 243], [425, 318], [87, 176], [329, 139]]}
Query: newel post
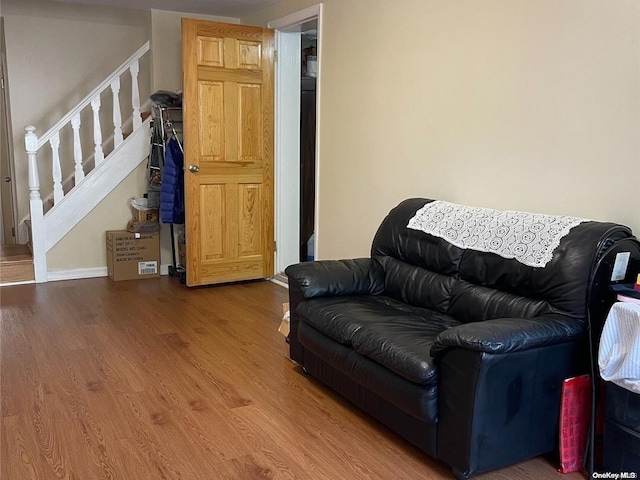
{"points": [[35, 206]]}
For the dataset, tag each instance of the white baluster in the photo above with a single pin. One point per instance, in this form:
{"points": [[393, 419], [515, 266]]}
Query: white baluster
{"points": [[31, 145], [35, 207], [56, 170], [117, 117], [77, 149], [97, 132], [135, 94]]}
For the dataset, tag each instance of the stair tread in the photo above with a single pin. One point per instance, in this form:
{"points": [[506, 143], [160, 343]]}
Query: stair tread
{"points": [[11, 261], [15, 253], [12, 273]]}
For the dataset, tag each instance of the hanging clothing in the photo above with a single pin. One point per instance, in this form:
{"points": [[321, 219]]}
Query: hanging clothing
{"points": [[154, 166], [172, 186]]}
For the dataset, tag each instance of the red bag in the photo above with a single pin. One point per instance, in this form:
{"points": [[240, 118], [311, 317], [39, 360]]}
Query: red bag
{"points": [[575, 417]]}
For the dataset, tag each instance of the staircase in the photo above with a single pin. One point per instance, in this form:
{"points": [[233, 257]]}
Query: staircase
{"points": [[79, 182]]}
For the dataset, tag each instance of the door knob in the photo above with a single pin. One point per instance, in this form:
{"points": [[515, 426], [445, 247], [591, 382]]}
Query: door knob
{"points": [[194, 168]]}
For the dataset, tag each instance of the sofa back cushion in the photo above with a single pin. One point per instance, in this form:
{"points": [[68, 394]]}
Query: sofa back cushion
{"points": [[417, 285], [472, 303], [427, 271]]}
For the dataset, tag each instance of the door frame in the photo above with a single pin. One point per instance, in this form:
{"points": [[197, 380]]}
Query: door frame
{"points": [[287, 133], [8, 212]]}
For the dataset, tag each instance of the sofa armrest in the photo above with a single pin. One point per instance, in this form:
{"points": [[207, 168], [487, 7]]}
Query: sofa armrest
{"points": [[361, 276], [505, 335]]}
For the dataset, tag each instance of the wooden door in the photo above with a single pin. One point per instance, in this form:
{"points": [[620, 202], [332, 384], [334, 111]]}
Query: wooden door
{"points": [[228, 143]]}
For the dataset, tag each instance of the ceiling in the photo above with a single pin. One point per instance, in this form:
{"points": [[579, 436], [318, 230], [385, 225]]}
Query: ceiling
{"points": [[223, 8]]}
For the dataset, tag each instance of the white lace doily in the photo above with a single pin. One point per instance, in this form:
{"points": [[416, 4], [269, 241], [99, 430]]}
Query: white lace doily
{"points": [[529, 238]]}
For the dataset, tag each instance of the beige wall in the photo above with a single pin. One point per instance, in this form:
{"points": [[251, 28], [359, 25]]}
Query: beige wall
{"points": [[85, 246], [530, 105]]}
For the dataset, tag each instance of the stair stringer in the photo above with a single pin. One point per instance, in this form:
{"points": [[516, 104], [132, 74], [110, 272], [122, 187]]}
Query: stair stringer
{"points": [[98, 183]]}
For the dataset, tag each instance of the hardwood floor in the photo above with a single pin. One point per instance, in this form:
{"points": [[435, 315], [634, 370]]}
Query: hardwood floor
{"points": [[151, 380]]}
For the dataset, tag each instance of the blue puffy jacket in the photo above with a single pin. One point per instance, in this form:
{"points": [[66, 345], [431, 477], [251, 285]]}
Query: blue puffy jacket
{"points": [[172, 187]]}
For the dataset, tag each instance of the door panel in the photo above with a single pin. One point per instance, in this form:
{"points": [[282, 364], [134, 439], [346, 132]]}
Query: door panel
{"points": [[250, 199], [228, 137], [211, 51], [211, 101], [212, 206]]}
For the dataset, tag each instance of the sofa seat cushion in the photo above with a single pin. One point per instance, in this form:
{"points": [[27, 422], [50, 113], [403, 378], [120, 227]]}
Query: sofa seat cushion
{"points": [[393, 334], [342, 316], [419, 401], [404, 345]]}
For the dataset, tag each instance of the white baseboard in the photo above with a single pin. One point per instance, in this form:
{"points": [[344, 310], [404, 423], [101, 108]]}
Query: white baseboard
{"points": [[75, 274], [79, 273]]}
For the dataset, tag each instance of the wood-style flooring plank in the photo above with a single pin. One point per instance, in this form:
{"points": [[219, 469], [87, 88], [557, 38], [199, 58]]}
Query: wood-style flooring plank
{"points": [[149, 379]]}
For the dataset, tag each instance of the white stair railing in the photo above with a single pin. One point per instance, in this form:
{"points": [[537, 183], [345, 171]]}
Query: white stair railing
{"points": [[33, 144]]}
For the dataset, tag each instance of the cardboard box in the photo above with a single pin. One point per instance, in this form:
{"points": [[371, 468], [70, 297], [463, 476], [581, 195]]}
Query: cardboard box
{"points": [[141, 214], [132, 256]]}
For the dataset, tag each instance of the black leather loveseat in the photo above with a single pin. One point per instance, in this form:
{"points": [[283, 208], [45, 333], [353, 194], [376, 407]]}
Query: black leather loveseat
{"points": [[460, 350]]}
